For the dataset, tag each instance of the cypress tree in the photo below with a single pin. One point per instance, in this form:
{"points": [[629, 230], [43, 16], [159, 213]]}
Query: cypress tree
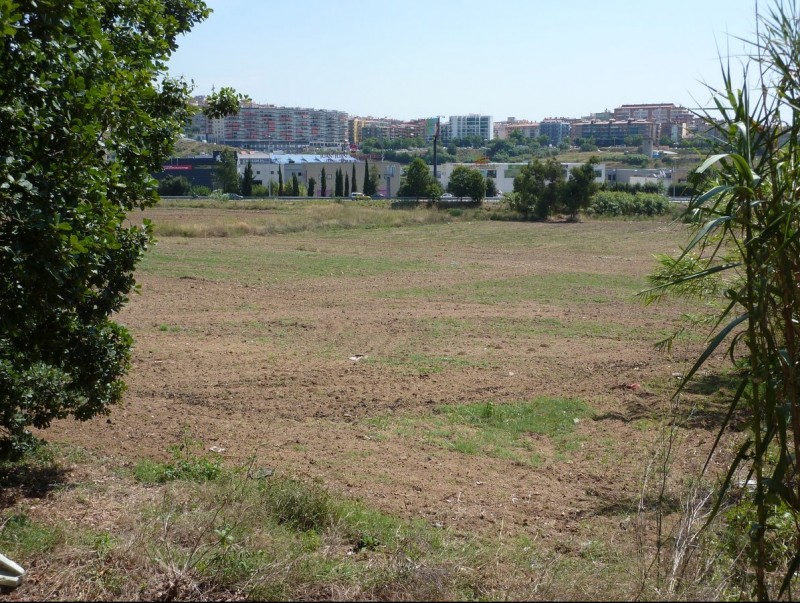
{"points": [[323, 185], [280, 181], [247, 180], [367, 188], [353, 180], [295, 186], [346, 185]]}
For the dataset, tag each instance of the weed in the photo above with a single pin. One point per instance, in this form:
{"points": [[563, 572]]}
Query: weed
{"points": [[186, 464], [22, 537]]}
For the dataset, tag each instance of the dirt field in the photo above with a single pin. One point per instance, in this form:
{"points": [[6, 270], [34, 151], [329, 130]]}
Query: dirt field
{"points": [[331, 355]]}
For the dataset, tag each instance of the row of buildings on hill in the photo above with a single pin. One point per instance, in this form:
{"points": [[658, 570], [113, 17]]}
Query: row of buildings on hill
{"points": [[264, 127]]}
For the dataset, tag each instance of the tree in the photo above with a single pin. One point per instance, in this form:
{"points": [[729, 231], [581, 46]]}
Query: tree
{"points": [[225, 102], [87, 116], [346, 185], [367, 188], [312, 183], [491, 187], [323, 185], [578, 191], [373, 179], [417, 181], [174, 186], [226, 175], [338, 186], [295, 186], [247, 180], [467, 182], [538, 188], [280, 182], [353, 180]]}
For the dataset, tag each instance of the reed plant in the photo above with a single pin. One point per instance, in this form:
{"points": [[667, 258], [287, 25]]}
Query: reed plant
{"points": [[746, 219]]}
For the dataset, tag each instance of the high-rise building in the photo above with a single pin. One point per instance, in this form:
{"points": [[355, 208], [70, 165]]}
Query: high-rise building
{"points": [[461, 126], [268, 127]]}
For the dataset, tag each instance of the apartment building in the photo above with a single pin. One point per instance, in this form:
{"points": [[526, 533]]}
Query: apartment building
{"points": [[461, 126], [612, 133], [268, 127], [556, 130], [674, 121], [360, 128]]}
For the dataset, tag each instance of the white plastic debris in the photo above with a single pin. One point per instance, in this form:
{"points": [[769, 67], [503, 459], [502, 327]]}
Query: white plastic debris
{"points": [[11, 574]]}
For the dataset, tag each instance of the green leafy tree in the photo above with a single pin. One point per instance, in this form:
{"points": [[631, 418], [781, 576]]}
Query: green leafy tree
{"points": [[86, 117], [467, 182], [538, 188], [226, 175], [353, 180], [295, 186], [247, 181], [323, 185], [312, 184], [346, 185], [225, 102], [417, 181], [280, 182], [491, 187], [577, 193], [174, 186]]}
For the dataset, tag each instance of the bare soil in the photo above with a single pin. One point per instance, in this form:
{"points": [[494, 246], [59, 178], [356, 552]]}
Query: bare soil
{"points": [[294, 371]]}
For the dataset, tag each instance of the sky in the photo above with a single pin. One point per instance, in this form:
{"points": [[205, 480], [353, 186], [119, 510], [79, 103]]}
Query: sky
{"points": [[407, 59]]}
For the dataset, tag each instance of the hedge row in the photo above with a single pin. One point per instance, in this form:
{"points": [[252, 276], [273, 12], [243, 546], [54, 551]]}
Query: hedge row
{"points": [[615, 203]]}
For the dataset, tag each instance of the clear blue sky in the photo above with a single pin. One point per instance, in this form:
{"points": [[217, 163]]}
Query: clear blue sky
{"points": [[405, 59]]}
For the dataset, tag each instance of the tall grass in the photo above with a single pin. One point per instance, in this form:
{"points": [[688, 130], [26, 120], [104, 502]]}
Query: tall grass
{"points": [[271, 217]]}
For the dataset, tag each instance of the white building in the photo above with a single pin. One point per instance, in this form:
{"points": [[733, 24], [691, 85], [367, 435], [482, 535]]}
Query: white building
{"points": [[461, 126]]}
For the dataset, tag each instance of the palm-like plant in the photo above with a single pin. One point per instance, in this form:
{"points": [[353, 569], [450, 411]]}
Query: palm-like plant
{"points": [[747, 218]]}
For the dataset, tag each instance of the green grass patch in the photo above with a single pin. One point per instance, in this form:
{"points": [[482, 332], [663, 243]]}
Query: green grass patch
{"points": [[413, 363], [525, 328], [505, 431], [188, 463], [568, 288], [248, 264], [21, 537]]}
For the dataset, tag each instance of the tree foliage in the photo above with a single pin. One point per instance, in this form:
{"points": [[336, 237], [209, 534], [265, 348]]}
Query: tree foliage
{"points": [[417, 181], [174, 186], [247, 180], [225, 102], [491, 187], [226, 174], [538, 188], [578, 191], [467, 182], [323, 184], [86, 116]]}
